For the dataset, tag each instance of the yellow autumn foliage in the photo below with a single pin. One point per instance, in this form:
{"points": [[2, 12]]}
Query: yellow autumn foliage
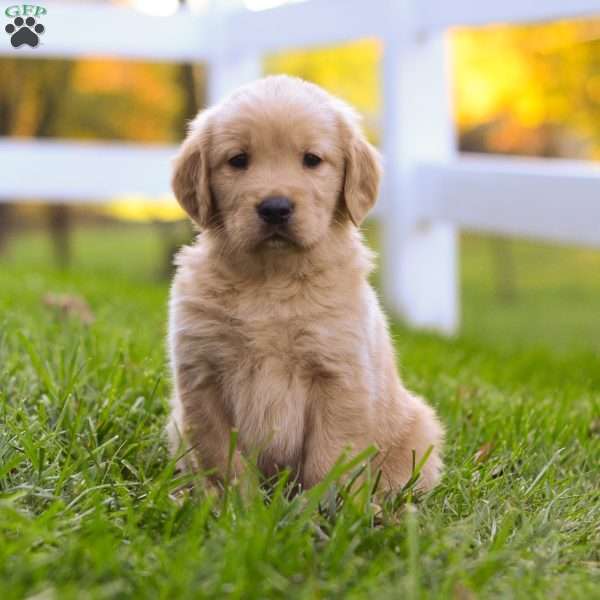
{"points": [[142, 208]]}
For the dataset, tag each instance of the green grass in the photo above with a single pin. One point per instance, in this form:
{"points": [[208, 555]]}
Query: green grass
{"points": [[85, 479]]}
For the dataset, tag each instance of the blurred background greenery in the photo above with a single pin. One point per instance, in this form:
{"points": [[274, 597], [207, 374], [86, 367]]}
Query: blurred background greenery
{"points": [[527, 90]]}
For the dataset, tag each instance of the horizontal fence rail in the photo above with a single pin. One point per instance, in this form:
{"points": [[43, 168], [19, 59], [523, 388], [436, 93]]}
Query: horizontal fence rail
{"points": [[107, 30], [548, 199], [60, 171], [80, 31], [440, 14]]}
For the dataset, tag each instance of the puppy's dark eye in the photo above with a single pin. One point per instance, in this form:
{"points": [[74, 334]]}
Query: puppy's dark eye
{"points": [[239, 161], [311, 160]]}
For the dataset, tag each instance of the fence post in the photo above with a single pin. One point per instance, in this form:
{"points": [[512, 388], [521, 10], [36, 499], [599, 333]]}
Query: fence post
{"points": [[420, 277], [228, 70], [226, 73]]}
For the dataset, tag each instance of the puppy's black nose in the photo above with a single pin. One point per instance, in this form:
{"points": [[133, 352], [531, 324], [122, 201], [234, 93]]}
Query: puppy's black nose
{"points": [[275, 210]]}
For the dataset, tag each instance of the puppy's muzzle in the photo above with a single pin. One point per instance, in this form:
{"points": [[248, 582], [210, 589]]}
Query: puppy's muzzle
{"points": [[275, 210]]}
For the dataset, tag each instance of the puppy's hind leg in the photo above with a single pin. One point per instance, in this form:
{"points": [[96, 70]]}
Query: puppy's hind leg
{"points": [[423, 434]]}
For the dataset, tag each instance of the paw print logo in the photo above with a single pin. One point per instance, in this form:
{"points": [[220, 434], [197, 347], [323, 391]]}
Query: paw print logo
{"points": [[24, 31]]}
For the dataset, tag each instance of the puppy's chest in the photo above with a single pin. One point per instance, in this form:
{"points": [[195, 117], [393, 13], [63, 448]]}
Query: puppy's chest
{"points": [[286, 336], [270, 363]]}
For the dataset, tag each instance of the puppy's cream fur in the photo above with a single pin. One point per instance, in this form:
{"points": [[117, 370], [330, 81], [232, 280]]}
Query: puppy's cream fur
{"points": [[283, 338]]}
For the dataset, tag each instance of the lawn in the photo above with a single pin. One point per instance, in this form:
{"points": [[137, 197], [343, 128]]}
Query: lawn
{"points": [[85, 481]]}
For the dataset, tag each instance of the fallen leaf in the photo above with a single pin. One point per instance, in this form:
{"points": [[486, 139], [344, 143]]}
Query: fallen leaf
{"points": [[461, 592], [69, 305], [483, 453]]}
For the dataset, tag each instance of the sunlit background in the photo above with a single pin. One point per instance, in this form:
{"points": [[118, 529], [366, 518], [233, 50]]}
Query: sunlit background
{"points": [[526, 90]]}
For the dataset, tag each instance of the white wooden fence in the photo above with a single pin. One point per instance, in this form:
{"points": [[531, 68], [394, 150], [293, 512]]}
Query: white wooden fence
{"points": [[429, 192]]}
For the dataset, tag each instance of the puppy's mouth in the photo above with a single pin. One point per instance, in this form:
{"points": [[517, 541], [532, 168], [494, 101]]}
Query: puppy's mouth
{"points": [[278, 238]]}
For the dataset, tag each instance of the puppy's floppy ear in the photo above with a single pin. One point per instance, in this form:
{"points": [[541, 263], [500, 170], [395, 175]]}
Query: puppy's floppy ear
{"points": [[191, 179], [362, 173]]}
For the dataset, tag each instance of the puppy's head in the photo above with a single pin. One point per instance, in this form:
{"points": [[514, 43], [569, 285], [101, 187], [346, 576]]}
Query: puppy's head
{"points": [[276, 166]]}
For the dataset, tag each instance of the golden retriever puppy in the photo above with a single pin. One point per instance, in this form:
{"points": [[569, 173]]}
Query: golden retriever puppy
{"points": [[274, 329]]}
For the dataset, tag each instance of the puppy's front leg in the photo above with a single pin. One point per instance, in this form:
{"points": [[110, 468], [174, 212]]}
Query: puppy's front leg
{"points": [[338, 423], [199, 416]]}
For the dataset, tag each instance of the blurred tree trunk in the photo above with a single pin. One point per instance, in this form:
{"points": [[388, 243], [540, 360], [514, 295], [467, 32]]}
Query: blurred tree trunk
{"points": [[503, 265], [60, 223], [39, 88], [5, 217], [60, 226], [191, 81], [173, 235], [505, 287], [8, 105]]}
